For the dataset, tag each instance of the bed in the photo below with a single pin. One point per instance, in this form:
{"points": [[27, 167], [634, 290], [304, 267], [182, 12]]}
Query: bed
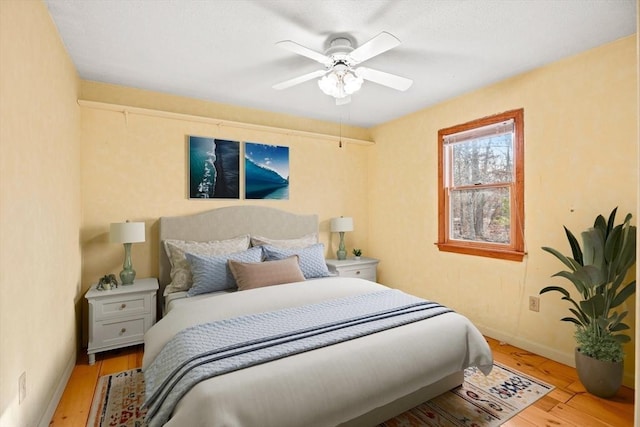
{"points": [[360, 381]]}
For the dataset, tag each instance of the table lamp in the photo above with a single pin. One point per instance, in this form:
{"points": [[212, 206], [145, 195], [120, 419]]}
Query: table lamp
{"points": [[127, 233], [341, 225]]}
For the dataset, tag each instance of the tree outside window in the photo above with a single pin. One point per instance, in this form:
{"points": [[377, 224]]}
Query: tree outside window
{"points": [[481, 187]]}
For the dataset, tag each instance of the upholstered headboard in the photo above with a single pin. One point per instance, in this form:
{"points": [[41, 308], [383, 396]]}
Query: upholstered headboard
{"points": [[230, 222]]}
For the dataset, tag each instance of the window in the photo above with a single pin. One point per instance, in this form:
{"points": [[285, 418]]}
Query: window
{"points": [[481, 187]]}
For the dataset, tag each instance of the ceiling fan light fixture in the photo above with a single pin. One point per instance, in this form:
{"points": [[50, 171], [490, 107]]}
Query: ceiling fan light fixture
{"points": [[340, 83]]}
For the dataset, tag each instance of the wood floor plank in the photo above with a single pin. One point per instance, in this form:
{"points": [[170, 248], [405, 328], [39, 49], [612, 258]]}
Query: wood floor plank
{"points": [[545, 403], [616, 413], [75, 403], [538, 417], [118, 363], [576, 417], [518, 421]]}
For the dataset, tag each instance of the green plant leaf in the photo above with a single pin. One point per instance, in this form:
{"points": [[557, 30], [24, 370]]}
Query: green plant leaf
{"points": [[594, 306], [625, 293], [563, 291], [611, 221], [619, 327], [572, 320], [578, 282], [593, 247], [581, 318], [571, 263], [621, 338], [575, 246]]}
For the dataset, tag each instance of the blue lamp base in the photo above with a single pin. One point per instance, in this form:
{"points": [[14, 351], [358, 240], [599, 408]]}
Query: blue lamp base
{"points": [[341, 253], [128, 274]]}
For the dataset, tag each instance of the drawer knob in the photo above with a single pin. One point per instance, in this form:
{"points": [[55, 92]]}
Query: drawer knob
{"points": [[123, 330], [123, 306], [358, 272]]}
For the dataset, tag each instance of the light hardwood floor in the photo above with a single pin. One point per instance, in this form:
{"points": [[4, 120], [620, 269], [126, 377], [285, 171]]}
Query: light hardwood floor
{"points": [[567, 405]]}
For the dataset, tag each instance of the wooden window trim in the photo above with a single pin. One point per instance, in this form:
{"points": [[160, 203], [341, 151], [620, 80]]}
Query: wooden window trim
{"points": [[515, 251]]}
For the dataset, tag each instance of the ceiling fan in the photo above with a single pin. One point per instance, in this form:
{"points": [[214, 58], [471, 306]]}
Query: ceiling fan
{"points": [[341, 75]]}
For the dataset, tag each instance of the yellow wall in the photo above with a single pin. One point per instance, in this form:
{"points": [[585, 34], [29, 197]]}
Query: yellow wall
{"points": [[135, 167], [58, 198], [39, 212], [581, 159]]}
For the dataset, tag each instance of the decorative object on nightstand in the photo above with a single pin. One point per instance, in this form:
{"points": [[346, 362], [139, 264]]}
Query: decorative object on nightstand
{"points": [[356, 253], [120, 318], [107, 282], [364, 268], [341, 225], [127, 233]]}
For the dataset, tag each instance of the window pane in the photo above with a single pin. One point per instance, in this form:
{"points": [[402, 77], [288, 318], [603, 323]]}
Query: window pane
{"points": [[484, 160], [481, 215]]}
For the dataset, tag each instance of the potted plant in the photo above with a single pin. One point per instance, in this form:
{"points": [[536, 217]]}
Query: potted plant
{"points": [[107, 282], [356, 254], [597, 270]]}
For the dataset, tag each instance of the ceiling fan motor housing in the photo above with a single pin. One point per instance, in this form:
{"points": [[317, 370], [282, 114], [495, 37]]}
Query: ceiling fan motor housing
{"points": [[339, 50]]}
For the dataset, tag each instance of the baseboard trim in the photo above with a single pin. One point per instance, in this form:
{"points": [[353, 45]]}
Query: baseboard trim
{"points": [[548, 352], [46, 417], [542, 350]]}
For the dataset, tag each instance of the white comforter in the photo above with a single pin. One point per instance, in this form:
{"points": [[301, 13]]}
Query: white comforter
{"points": [[323, 387]]}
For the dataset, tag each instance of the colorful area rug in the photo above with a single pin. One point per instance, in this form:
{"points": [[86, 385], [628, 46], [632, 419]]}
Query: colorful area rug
{"points": [[480, 401]]}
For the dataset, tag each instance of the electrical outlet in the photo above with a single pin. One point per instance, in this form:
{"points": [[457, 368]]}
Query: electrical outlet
{"points": [[22, 387], [534, 303]]}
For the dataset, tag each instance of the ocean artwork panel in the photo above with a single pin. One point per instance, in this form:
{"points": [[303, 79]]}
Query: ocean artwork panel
{"points": [[214, 168], [266, 171]]}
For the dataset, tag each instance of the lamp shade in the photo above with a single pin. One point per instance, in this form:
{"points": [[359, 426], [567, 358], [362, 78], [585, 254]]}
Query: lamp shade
{"points": [[126, 232], [341, 224]]}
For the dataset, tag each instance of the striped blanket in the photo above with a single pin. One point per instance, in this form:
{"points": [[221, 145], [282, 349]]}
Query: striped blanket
{"points": [[207, 350]]}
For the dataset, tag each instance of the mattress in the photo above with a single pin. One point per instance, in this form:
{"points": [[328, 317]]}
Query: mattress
{"points": [[175, 299]]}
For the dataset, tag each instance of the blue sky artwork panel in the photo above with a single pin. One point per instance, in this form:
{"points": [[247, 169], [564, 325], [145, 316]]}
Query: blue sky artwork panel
{"points": [[266, 169]]}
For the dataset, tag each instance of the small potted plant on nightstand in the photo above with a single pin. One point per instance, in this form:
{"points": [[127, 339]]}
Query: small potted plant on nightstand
{"points": [[598, 270], [107, 282], [356, 254]]}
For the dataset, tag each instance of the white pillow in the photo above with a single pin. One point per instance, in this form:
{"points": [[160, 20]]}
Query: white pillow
{"points": [[300, 242], [181, 277]]}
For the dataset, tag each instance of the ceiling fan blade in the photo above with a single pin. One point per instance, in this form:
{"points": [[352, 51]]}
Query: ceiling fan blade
{"points": [[377, 45], [391, 80], [300, 79], [305, 51], [343, 101]]}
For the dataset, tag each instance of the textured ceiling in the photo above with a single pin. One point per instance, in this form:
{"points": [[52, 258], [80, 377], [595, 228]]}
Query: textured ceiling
{"points": [[224, 50]]}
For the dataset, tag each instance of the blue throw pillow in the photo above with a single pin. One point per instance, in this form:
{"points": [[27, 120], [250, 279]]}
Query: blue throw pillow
{"points": [[311, 259], [211, 273]]}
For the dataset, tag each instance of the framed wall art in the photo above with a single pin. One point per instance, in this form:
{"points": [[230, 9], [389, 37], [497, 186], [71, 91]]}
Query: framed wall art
{"points": [[214, 168], [266, 171]]}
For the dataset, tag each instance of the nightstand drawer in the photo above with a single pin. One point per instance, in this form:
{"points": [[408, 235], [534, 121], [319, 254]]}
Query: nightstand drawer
{"points": [[109, 308], [367, 273], [118, 332], [363, 268]]}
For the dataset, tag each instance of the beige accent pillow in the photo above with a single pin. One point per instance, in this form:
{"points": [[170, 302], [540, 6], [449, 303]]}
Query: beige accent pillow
{"points": [[181, 278], [250, 275], [300, 242]]}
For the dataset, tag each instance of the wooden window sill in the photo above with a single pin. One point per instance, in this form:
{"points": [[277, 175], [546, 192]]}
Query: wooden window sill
{"points": [[498, 253]]}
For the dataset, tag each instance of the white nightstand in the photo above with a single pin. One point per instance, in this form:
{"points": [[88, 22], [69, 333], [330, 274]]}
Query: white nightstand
{"points": [[363, 268], [120, 317]]}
